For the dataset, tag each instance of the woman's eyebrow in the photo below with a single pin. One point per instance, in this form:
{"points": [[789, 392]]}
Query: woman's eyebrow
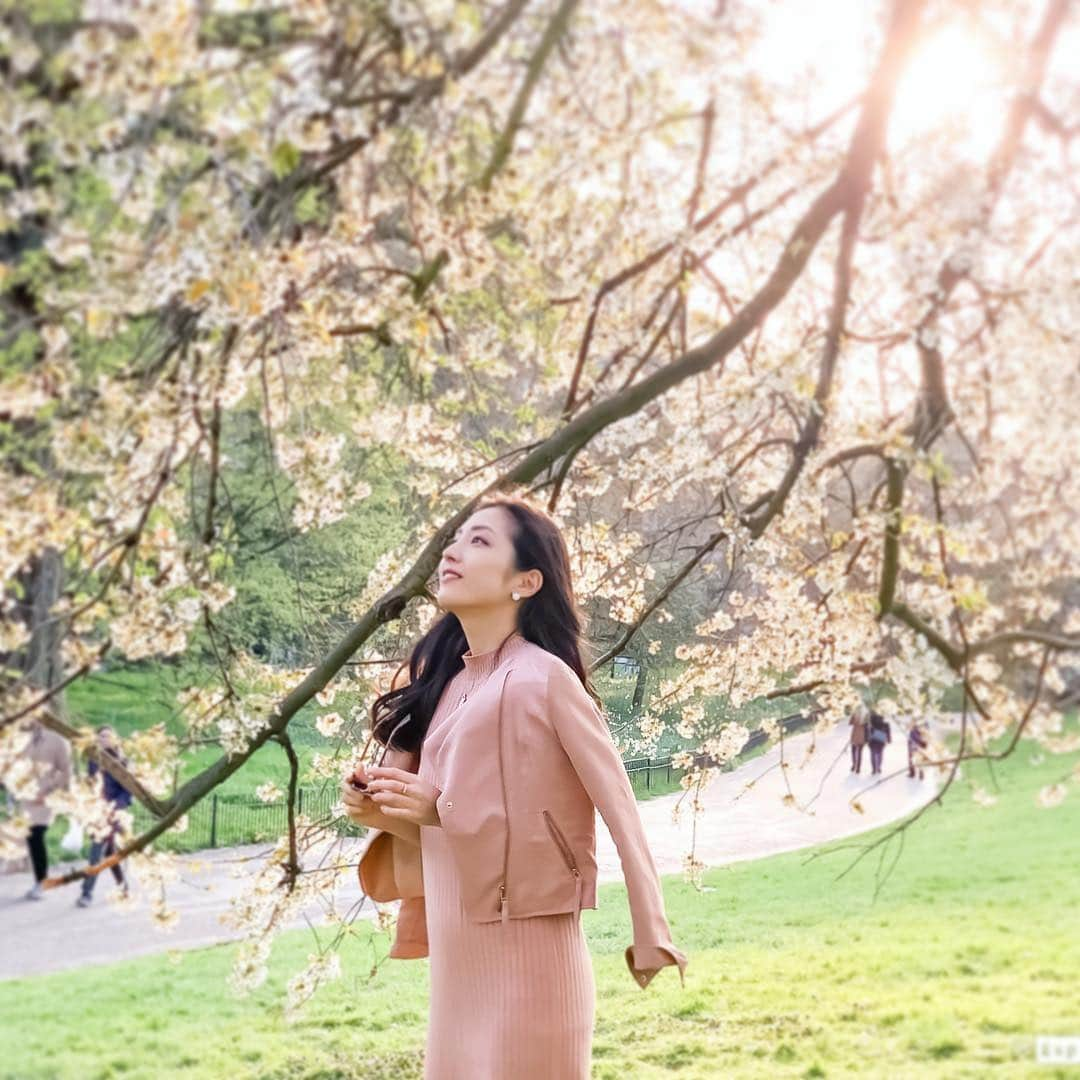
{"points": [[458, 533]]}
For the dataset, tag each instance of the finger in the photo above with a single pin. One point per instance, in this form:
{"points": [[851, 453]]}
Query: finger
{"points": [[351, 797], [394, 786], [384, 787], [357, 807], [383, 799], [389, 772], [390, 798]]}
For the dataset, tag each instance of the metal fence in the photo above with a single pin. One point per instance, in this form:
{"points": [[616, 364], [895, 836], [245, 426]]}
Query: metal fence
{"points": [[646, 767], [224, 820]]}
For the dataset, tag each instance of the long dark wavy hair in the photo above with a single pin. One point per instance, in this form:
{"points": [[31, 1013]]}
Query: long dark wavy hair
{"points": [[549, 618]]}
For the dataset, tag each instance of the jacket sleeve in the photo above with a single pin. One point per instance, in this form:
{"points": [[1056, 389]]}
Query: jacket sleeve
{"points": [[584, 735]]}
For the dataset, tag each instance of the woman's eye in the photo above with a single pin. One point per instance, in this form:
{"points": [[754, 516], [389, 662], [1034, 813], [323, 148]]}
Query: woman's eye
{"points": [[480, 538]]}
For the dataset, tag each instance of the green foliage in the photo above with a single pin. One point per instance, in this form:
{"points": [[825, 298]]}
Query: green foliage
{"points": [[89, 193], [20, 353], [30, 271], [310, 207], [284, 159], [247, 29], [117, 352], [43, 11]]}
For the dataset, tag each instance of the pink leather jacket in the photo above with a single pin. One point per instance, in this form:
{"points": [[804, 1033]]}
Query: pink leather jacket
{"points": [[520, 816]]}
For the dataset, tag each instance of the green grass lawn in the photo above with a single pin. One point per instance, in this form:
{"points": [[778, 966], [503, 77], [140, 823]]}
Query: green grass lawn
{"points": [[137, 697], [969, 951]]}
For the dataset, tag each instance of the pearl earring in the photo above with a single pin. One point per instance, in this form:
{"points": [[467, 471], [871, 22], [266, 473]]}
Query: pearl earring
{"points": [[515, 595]]}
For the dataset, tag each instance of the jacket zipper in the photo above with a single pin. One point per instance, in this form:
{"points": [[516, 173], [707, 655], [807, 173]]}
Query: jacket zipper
{"points": [[568, 855], [556, 832], [504, 900]]}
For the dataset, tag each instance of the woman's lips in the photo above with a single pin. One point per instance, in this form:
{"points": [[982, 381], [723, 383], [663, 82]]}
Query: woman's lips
{"points": [[450, 575]]}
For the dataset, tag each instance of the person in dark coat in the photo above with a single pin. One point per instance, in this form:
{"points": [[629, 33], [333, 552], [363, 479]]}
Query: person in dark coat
{"points": [[880, 734], [118, 797]]}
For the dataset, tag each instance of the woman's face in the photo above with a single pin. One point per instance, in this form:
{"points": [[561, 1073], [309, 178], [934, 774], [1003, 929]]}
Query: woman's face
{"points": [[476, 568]]}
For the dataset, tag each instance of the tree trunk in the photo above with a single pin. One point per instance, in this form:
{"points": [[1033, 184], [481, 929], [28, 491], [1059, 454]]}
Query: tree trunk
{"points": [[41, 661]]}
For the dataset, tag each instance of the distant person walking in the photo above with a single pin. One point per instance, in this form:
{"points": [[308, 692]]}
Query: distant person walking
{"points": [[118, 798], [880, 734], [50, 763], [916, 744], [858, 723]]}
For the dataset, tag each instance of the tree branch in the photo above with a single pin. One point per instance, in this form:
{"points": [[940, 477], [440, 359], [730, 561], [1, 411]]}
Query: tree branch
{"points": [[790, 264], [556, 27]]}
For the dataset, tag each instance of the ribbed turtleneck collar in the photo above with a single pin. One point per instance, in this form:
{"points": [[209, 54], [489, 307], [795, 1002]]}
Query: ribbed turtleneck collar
{"points": [[480, 665]]}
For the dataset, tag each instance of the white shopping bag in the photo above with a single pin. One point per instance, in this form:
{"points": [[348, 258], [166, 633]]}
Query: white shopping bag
{"points": [[73, 838]]}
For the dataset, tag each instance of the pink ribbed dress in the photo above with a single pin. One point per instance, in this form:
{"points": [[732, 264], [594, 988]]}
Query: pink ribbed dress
{"points": [[513, 1001]]}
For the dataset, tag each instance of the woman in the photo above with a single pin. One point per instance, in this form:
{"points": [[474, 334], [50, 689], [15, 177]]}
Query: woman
{"points": [[514, 759], [858, 724], [49, 755]]}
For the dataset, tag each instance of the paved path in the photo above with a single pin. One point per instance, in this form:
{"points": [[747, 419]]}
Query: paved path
{"points": [[737, 824], [740, 822]]}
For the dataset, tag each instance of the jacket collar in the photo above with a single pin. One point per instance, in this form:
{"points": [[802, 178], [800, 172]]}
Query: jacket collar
{"points": [[480, 665]]}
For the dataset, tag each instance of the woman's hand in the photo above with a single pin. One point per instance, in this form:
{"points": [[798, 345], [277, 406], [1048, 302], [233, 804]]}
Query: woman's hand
{"points": [[359, 805], [404, 795]]}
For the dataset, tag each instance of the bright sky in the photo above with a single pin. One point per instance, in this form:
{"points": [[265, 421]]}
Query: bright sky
{"points": [[956, 84], [952, 80], [817, 56]]}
